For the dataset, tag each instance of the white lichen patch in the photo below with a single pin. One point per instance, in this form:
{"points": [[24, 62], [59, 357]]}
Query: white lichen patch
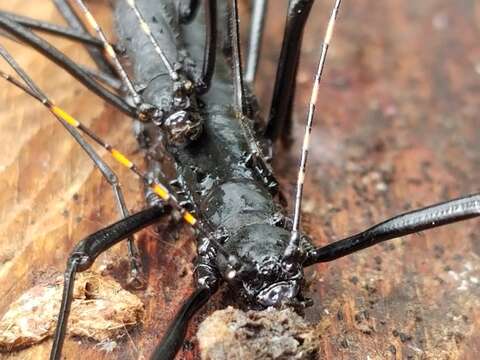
{"points": [[269, 334], [101, 310]]}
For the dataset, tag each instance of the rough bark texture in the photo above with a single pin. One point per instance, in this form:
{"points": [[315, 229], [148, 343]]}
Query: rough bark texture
{"points": [[397, 128]]}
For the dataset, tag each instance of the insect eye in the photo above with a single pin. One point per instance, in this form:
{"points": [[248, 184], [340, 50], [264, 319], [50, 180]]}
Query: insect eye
{"points": [[181, 127], [182, 102], [290, 269]]}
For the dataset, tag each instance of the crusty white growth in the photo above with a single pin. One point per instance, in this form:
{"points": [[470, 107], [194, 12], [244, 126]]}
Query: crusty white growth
{"points": [[101, 310], [270, 334]]}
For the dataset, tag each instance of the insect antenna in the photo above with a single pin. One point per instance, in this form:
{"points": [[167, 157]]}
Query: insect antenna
{"points": [[137, 99], [136, 273], [32, 89], [146, 29], [158, 188], [73, 20], [293, 245]]}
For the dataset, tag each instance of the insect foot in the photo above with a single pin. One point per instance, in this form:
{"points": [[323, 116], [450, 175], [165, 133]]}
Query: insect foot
{"points": [[136, 279]]}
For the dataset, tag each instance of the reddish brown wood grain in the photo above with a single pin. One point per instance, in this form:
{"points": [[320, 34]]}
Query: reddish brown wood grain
{"points": [[397, 128]]}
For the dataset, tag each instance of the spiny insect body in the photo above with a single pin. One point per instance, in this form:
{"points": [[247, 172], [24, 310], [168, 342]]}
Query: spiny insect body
{"points": [[206, 119]]}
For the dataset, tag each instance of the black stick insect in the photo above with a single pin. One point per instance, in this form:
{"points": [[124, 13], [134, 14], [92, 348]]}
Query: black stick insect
{"points": [[224, 188]]}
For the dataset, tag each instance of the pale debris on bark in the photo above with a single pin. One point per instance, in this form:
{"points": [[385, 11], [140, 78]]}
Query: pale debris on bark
{"points": [[268, 334], [101, 310]]}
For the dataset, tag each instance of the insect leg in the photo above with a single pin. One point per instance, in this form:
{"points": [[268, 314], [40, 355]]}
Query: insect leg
{"points": [[175, 334], [74, 21], [85, 253], [210, 50], [286, 135], [54, 29], [63, 61], [234, 35], [162, 191], [256, 33], [106, 77], [122, 73], [136, 273], [135, 279], [208, 281], [298, 11], [255, 159], [418, 220]]}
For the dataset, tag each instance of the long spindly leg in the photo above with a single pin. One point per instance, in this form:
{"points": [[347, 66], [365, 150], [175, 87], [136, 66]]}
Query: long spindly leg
{"points": [[63, 61], [411, 222], [88, 249], [187, 12], [162, 191], [74, 22], [208, 281], [111, 81], [85, 253], [287, 132], [122, 73], [136, 273], [175, 333], [103, 75], [234, 34], [210, 49], [54, 29], [283, 91], [256, 159], [255, 42]]}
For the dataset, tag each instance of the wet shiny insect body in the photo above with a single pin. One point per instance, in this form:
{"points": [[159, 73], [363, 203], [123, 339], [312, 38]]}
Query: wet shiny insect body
{"points": [[274, 264]]}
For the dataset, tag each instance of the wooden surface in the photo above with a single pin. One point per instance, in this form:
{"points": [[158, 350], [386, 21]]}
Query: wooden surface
{"points": [[397, 128]]}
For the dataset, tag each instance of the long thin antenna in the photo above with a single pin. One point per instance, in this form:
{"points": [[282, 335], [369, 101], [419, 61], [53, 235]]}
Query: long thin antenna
{"points": [[111, 53], [146, 29], [158, 188], [294, 243]]}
